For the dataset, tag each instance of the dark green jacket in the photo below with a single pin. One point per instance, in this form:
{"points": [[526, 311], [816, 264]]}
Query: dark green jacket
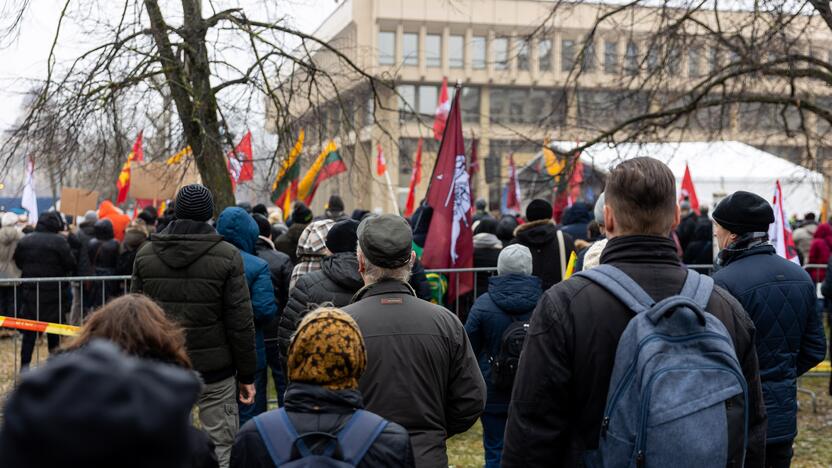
{"points": [[198, 280]]}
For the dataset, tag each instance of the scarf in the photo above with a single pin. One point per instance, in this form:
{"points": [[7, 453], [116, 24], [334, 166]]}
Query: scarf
{"points": [[744, 243]]}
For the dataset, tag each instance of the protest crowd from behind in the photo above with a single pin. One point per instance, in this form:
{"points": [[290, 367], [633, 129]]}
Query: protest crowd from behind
{"points": [[589, 341]]}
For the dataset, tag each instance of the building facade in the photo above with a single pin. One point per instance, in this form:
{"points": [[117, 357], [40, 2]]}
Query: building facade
{"points": [[516, 63]]}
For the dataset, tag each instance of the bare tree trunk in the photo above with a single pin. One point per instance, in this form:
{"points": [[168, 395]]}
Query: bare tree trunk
{"points": [[191, 91]]}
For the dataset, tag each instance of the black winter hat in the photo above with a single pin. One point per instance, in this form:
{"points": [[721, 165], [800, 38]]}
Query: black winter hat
{"points": [[486, 225], [261, 209], [133, 413], [743, 212], [538, 209], [335, 204], [263, 225], [194, 202], [343, 236], [148, 217], [302, 214]]}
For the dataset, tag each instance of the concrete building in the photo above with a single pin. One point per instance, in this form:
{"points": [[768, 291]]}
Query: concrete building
{"points": [[516, 62]]}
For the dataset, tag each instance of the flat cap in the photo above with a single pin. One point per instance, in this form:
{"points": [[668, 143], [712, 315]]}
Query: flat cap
{"points": [[743, 212], [386, 240]]}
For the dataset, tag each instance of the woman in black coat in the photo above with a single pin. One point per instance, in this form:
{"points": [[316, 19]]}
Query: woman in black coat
{"points": [[44, 254], [104, 252]]}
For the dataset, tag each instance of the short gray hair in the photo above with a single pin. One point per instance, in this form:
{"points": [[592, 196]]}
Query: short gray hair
{"points": [[373, 273]]}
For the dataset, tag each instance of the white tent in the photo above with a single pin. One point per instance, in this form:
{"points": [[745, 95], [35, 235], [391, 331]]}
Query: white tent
{"points": [[719, 167]]}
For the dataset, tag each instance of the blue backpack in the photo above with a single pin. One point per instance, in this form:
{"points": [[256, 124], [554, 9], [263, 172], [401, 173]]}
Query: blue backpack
{"points": [[675, 376], [345, 449]]}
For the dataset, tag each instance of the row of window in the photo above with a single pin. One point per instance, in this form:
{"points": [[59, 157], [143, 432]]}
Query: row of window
{"points": [[571, 50]]}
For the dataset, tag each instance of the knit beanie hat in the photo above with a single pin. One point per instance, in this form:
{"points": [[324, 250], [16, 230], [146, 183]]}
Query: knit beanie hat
{"points": [[343, 237], [335, 204], [263, 225], [327, 350], [515, 258], [9, 219], [538, 209], [599, 210], [90, 217], [302, 214], [194, 202], [743, 212], [261, 209]]}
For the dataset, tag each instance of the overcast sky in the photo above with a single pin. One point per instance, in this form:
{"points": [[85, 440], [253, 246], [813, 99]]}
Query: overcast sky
{"points": [[25, 58]]}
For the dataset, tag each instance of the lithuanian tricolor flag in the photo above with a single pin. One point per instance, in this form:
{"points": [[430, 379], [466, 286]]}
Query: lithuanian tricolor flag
{"points": [[327, 164], [123, 182], [285, 186]]}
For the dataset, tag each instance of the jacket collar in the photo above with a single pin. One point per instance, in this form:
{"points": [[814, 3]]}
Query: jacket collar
{"points": [[641, 249], [761, 249], [385, 286], [264, 242], [532, 225], [310, 398]]}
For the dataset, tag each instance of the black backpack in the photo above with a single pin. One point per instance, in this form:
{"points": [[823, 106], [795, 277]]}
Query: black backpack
{"points": [[504, 364]]}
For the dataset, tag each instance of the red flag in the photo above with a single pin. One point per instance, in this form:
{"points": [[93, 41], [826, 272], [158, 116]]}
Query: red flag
{"points": [[243, 153], [779, 232], [473, 168], [381, 163], [443, 108], [513, 195], [689, 191], [449, 243], [415, 179], [123, 182]]}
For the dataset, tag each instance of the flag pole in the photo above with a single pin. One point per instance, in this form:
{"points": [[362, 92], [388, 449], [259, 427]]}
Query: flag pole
{"points": [[390, 189]]}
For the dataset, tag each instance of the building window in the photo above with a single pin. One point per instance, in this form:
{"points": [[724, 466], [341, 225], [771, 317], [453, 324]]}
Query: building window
{"points": [[470, 103], [610, 57], [713, 60], [386, 48], [428, 99], [478, 52], [522, 54], [456, 51], [567, 55], [653, 52], [674, 61], [589, 62], [407, 101], [433, 50], [544, 55], [523, 105], [500, 46], [631, 58], [410, 48], [693, 62]]}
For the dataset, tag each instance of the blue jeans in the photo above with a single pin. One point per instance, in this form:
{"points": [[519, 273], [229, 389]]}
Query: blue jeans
{"points": [[260, 398], [493, 429], [273, 360]]}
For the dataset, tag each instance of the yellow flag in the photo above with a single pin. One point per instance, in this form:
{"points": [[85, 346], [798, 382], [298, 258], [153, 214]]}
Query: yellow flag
{"points": [[553, 165], [570, 267], [308, 180], [177, 158]]}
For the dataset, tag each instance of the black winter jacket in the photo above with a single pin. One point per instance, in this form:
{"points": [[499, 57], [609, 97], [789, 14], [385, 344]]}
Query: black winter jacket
{"points": [[45, 254], [199, 281], [541, 238], [288, 243], [313, 408], [336, 282], [280, 268], [104, 249], [421, 371], [780, 298], [558, 399]]}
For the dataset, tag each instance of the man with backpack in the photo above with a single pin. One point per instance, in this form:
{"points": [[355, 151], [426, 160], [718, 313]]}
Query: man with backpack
{"points": [[780, 298], [322, 423], [612, 374], [497, 326]]}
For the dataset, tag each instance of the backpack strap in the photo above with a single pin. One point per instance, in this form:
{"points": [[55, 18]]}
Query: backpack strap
{"points": [[617, 283], [699, 288], [356, 438], [278, 434], [562, 252]]}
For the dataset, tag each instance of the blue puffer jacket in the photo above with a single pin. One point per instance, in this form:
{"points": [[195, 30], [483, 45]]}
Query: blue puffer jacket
{"points": [[510, 298], [780, 298], [240, 229]]}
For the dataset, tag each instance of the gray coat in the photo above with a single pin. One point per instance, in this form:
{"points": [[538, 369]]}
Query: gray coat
{"points": [[421, 371], [9, 237]]}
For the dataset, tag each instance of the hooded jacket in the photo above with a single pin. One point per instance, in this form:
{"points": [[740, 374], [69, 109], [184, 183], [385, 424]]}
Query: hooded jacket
{"points": [[803, 238], [575, 220], [819, 251], [509, 298], [288, 242], [9, 237], [780, 298], [559, 395], [134, 238], [45, 254], [103, 249], [313, 408], [239, 228], [421, 372], [200, 282], [311, 249], [120, 220], [336, 282], [541, 238], [487, 249]]}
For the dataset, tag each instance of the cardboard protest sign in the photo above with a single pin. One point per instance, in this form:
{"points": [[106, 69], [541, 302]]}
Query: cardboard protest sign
{"points": [[160, 181], [77, 202]]}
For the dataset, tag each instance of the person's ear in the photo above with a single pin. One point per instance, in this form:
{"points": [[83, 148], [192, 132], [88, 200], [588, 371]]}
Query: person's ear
{"points": [[677, 218], [609, 221], [361, 266], [412, 257]]}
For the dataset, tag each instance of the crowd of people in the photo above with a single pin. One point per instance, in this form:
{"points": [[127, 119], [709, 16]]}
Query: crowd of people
{"points": [[634, 359]]}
